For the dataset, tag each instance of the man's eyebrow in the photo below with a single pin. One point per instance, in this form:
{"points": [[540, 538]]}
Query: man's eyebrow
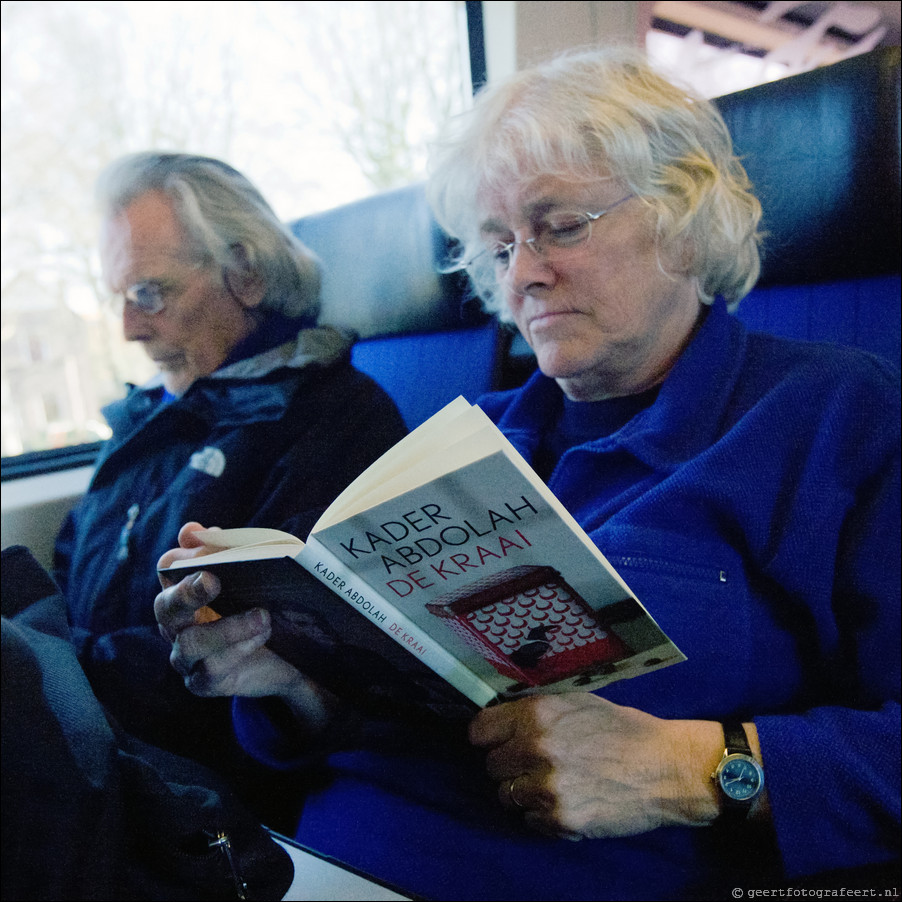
{"points": [[129, 285]]}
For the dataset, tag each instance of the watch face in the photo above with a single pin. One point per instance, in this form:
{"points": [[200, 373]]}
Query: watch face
{"points": [[740, 778]]}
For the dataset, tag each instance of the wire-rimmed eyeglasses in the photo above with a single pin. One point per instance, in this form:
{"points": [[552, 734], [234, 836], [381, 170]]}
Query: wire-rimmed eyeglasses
{"points": [[561, 230], [151, 296], [147, 297]]}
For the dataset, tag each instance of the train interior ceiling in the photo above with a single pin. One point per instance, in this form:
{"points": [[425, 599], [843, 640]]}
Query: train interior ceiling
{"points": [[821, 147]]}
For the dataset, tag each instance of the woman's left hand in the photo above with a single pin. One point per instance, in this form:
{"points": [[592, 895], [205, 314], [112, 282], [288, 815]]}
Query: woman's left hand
{"points": [[579, 766]]}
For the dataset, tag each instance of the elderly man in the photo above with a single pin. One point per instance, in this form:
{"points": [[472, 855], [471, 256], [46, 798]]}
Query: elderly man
{"points": [[256, 418]]}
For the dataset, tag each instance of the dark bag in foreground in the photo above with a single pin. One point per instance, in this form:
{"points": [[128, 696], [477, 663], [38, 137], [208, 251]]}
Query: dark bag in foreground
{"points": [[92, 813]]}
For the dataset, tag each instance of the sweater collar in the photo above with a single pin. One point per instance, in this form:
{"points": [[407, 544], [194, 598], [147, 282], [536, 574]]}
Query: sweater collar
{"points": [[273, 329], [684, 419]]}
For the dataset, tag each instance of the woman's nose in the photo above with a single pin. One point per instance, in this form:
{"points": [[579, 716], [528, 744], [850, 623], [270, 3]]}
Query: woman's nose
{"points": [[527, 267]]}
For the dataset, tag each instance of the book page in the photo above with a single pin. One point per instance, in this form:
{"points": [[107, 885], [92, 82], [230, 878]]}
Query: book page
{"points": [[259, 552], [460, 452], [246, 537], [454, 423]]}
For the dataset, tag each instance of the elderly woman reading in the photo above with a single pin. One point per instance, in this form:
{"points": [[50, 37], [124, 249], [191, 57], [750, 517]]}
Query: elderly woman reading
{"points": [[746, 487]]}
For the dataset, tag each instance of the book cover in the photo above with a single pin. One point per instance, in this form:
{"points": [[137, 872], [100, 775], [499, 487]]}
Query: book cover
{"points": [[334, 643], [481, 564]]}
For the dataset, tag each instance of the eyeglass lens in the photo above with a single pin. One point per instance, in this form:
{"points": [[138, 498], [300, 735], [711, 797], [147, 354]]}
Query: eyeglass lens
{"points": [[146, 296], [564, 230]]}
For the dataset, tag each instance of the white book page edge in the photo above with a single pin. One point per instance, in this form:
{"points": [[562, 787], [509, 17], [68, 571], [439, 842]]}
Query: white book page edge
{"points": [[457, 420], [464, 451], [245, 537], [260, 552]]}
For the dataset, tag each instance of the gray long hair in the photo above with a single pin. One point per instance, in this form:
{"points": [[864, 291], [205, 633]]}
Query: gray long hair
{"points": [[227, 219]]}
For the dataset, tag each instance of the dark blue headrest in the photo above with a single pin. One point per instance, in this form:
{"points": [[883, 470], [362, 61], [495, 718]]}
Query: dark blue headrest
{"points": [[822, 151]]}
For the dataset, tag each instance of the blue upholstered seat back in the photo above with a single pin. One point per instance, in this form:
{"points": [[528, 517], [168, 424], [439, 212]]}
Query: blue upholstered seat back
{"points": [[863, 312], [419, 335], [822, 151]]}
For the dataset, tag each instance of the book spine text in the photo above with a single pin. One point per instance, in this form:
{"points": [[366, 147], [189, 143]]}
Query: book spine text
{"points": [[321, 563]]}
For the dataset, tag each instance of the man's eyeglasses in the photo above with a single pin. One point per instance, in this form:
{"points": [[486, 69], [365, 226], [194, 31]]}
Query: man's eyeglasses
{"points": [[559, 231], [148, 297], [151, 296]]}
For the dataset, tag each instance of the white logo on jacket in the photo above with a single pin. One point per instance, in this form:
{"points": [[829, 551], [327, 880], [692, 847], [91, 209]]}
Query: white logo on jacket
{"points": [[210, 461]]}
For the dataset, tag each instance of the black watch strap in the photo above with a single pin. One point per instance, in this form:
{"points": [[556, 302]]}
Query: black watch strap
{"points": [[734, 811], [735, 740]]}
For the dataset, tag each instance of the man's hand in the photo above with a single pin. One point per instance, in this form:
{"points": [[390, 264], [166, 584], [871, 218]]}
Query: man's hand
{"points": [[228, 655]]}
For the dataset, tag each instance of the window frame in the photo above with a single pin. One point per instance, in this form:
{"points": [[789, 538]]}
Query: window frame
{"points": [[53, 460]]}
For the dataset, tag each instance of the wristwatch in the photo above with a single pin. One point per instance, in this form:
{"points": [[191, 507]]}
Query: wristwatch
{"points": [[739, 778]]}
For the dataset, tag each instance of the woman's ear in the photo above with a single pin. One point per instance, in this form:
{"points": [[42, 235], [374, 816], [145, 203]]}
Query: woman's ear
{"points": [[243, 281], [679, 256]]}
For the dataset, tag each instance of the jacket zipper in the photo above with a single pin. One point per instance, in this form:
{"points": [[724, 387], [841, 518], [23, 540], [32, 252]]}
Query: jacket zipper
{"points": [[125, 534]]}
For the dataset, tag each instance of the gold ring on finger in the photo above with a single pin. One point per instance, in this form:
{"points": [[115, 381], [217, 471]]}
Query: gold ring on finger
{"points": [[512, 794]]}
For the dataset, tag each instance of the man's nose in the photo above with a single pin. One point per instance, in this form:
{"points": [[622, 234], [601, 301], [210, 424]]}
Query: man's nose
{"points": [[136, 325]]}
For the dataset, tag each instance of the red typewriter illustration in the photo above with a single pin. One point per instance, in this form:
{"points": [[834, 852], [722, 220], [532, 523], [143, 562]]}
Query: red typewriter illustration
{"points": [[531, 626]]}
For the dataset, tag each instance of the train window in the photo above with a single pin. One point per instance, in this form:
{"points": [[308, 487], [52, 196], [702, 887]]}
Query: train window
{"points": [[318, 103]]}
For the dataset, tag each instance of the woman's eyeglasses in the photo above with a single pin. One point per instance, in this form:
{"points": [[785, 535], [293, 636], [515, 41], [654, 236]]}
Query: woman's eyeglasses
{"points": [[559, 231]]}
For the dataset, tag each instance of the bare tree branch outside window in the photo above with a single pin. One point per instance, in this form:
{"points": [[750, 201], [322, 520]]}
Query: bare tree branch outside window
{"points": [[318, 103]]}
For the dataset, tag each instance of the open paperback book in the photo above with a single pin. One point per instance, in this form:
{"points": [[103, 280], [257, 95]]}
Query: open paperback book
{"points": [[447, 558]]}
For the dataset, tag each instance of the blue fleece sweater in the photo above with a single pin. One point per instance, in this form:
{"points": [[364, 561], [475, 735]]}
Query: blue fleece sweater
{"points": [[754, 508]]}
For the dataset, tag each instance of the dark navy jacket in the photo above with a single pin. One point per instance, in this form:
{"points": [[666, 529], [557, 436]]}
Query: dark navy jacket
{"points": [[269, 441], [754, 509]]}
